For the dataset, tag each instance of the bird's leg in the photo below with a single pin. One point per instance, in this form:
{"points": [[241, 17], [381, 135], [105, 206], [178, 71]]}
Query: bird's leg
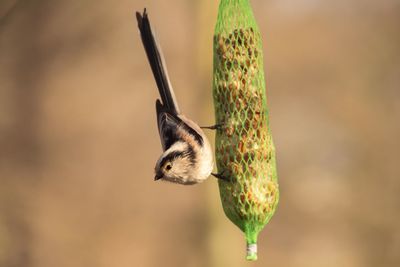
{"points": [[221, 176], [213, 127]]}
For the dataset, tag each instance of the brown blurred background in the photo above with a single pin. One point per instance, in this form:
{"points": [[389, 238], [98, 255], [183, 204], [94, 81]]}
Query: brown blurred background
{"points": [[78, 137]]}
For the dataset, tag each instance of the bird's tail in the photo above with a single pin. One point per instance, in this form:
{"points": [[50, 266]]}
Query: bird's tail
{"points": [[157, 63]]}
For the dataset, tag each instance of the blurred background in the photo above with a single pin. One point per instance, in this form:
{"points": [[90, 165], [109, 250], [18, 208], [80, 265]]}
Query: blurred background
{"points": [[78, 137]]}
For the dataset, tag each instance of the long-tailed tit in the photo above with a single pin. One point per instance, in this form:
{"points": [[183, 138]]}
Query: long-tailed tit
{"points": [[187, 155]]}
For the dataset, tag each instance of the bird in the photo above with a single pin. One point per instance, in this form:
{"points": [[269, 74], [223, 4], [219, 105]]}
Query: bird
{"points": [[187, 156]]}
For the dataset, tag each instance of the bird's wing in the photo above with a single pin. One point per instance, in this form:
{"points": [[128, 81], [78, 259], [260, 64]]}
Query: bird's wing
{"points": [[171, 127], [157, 63], [167, 126]]}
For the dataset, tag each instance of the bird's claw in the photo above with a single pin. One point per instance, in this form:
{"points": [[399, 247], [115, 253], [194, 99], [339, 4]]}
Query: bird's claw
{"points": [[213, 127], [222, 177]]}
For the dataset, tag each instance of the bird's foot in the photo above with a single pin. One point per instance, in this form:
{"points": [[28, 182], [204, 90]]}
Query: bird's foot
{"points": [[222, 177], [213, 127]]}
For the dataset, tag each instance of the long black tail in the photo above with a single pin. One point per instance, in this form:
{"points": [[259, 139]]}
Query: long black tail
{"points": [[156, 60]]}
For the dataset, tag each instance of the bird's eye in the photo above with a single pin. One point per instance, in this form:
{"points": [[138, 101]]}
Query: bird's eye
{"points": [[168, 167]]}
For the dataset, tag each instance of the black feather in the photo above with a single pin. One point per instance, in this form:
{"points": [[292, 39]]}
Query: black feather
{"points": [[169, 123], [189, 153], [167, 112], [154, 55]]}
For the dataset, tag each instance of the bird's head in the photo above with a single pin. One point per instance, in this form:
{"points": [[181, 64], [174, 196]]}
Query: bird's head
{"points": [[176, 164]]}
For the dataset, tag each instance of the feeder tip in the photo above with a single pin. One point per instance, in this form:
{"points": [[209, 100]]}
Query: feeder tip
{"points": [[251, 252]]}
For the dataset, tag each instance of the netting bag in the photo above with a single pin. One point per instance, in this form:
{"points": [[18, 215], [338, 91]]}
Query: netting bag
{"points": [[245, 152]]}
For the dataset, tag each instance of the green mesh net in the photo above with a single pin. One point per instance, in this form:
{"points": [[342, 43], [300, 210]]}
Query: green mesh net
{"points": [[245, 152]]}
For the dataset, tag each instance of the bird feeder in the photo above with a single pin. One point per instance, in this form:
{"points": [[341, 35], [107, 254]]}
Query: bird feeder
{"points": [[245, 153]]}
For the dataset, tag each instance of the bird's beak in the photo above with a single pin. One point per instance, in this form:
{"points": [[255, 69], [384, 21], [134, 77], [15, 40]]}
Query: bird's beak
{"points": [[158, 176]]}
